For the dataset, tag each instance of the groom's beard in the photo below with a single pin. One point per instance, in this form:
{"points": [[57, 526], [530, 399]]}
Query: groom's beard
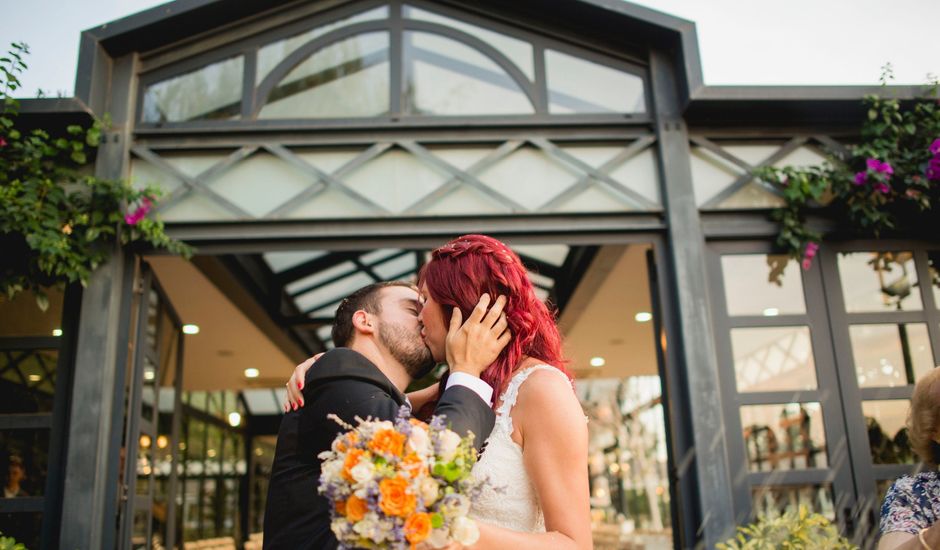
{"points": [[408, 349]]}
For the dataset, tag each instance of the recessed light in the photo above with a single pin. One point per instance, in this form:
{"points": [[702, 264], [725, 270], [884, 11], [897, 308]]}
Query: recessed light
{"points": [[210, 453], [234, 419], [771, 312], [57, 332], [190, 329], [149, 374], [598, 361], [162, 442], [643, 316], [35, 378], [252, 373]]}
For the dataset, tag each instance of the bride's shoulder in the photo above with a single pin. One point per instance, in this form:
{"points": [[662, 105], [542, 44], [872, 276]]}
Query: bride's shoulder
{"points": [[545, 387]]}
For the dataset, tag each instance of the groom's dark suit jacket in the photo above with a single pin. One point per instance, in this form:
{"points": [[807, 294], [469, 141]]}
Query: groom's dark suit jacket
{"points": [[345, 383]]}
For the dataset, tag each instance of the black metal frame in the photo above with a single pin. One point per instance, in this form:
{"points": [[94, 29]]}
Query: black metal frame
{"points": [[253, 96]]}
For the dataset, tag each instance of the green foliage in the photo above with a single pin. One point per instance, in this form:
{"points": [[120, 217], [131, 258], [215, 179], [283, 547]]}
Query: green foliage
{"points": [[794, 530], [9, 543], [896, 195], [57, 222]]}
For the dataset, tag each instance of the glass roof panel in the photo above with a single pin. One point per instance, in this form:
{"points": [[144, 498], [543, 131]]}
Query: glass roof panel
{"points": [[320, 276], [279, 261], [212, 92], [332, 292], [580, 86]]}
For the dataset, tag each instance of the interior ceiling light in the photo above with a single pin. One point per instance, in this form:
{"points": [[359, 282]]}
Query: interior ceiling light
{"points": [[643, 316], [771, 312], [252, 373], [598, 361], [57, 332], [234, 419], [190, 329]]}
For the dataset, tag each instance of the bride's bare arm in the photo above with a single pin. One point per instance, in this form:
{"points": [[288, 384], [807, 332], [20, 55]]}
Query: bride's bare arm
{"points": [[419, 398], [554, 437]]}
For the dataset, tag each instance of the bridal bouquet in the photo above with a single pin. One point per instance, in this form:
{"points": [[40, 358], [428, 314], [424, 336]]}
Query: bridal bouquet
{"points": [[398, 484]]}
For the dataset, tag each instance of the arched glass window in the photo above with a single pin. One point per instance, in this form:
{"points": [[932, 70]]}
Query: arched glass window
{"points": [[394, 61]]}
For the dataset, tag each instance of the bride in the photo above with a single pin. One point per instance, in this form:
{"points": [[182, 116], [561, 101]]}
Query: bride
{"points": [[535, 459]]}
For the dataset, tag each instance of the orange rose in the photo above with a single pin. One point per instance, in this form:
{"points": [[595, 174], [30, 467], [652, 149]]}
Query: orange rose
{"points": [[341, 507], [416, 422], [388, 442], [417, 527], [414, 465], [394, 498], [356, 508], [352, 458]]}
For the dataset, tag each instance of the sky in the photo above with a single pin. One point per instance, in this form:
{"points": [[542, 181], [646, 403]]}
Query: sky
{"points": [[759, 42]]}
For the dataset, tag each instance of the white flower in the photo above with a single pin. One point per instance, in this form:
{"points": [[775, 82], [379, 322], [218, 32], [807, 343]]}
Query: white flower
{"points": [[460, 504], [428, 491], [362, 471], [438, 538], [418, 441], [465, 531], [449, 441], [332, 469]]}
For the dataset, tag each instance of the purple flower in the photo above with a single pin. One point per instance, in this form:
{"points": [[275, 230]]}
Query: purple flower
{"points": [[873, 164], [133, 218], [860, 178], [3, 141], [882, 187], [933, 169], [935, 147]]}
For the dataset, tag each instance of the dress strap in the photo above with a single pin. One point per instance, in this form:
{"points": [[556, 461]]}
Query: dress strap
{"points": [[512, 393]]}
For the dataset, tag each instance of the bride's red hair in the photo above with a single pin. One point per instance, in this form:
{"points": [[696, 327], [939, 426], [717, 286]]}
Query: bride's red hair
{"points": [[459, 272]]}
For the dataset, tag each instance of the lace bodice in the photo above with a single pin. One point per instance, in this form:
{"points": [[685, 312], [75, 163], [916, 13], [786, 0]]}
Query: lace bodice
{"points": [[508, 498]]}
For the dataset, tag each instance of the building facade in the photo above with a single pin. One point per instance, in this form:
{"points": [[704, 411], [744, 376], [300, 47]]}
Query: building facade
{"points": [[295, 138]]}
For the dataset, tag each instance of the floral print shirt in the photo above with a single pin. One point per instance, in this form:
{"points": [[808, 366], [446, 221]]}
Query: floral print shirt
{"points": [[912, 503]]}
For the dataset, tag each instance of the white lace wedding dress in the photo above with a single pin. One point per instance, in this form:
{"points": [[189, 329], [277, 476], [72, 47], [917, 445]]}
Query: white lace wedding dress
{"points": [[508, 498]]}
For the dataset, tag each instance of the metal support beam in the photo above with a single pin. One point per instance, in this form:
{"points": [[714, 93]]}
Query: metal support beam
{"points": [[696, 348]]}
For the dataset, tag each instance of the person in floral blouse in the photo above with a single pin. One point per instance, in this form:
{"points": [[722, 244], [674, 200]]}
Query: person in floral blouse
{"points": [[912, 505]]}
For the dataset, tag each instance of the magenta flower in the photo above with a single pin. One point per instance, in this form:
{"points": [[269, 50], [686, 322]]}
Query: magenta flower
{"points": [[935, 147], [133, 218], [880, 167], [933, 169], [882, 187], [3, 141], [860, 178], [809, 253]]}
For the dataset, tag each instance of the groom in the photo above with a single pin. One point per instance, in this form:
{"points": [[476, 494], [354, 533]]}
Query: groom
{"points": [[379, 352]]}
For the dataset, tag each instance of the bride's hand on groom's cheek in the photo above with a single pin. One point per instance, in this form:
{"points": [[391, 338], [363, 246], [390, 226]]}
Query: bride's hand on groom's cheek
{"points": [[295, 386], [475, 344]]}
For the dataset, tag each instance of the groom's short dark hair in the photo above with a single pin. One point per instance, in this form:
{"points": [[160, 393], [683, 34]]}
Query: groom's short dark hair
{"points": [[366, 299]]}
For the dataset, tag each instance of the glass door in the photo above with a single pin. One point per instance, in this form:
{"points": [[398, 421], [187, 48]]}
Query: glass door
{"points": [[817, 369], [151, 437]]}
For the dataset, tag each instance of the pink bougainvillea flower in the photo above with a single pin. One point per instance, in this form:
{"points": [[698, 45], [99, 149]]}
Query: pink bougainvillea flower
{"points": [[860, 178], [934, 147], [933, 169], [809, 253], [878, 166], [882, 187], [3, 141], [133, 218]]}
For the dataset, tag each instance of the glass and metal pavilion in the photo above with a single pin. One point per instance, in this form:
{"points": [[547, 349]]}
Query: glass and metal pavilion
{"points": [[392, 126]]}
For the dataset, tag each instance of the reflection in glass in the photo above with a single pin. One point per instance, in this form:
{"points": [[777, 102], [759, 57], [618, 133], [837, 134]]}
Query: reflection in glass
{"points": [[272, 54], [773, 359], [519, 52], [630, 501], [579, 86], [879, 281], [890, 355], [24, 462], [887, 433], [933, 267], [27, 380], [776, 499], [784, 437], [212, 92], [347, 79], [447, 77], [748, 290], [22, 317]]}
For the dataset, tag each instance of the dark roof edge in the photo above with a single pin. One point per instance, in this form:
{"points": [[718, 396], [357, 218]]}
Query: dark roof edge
{"points": [[144, 18], [57, 105], [805, 93]]}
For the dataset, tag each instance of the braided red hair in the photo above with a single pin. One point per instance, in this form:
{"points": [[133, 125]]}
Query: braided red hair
{"points": [[465, 268]]}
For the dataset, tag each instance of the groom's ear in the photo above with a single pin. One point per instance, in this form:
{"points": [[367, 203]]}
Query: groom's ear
{"points": [[363, 322]]}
